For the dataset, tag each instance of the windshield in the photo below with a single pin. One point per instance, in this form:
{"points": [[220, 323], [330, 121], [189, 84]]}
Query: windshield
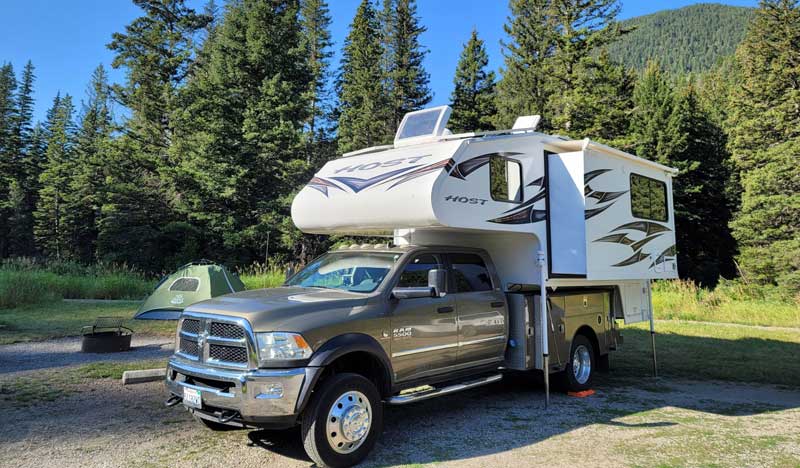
{"points": [[349, 271]]}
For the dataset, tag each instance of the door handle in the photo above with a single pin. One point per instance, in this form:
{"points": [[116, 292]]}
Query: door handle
{"points": [[498, 304], [444, 310]]}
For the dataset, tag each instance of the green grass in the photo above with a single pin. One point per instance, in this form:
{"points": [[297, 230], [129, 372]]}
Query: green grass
{"points": [[707, 351], [730, 302], [259, 276], [60, 319], [24, 281]]}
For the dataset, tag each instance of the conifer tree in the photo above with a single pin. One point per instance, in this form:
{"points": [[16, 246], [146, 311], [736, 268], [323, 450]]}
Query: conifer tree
{"points": [[241, 135], [653, 101], [407, 80], [83, 201], [363, 105], [8, 85], [50, 228], [474, 94], [315, 22], [765, 144]]}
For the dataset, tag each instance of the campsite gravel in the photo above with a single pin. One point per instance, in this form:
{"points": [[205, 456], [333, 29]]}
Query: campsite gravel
{"points": [[646, 423]]}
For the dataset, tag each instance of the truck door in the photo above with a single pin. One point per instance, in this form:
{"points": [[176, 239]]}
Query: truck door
{"points": [[481, 311], [424, 335]]}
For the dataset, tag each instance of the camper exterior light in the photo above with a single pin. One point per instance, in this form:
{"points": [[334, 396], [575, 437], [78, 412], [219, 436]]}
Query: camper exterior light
{"points": [[277, 346]]}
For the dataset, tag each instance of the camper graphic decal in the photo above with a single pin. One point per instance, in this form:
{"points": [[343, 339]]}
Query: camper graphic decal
{"points": [[464, 169], [650, 231], [395, 177], [602, 200]]}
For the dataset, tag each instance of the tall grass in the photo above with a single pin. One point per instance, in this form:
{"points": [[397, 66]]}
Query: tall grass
{"points": [[25, 281], [262, 275], [730, 302]]}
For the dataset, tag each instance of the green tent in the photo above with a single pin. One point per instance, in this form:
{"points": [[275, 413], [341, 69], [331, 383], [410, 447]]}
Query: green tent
{"points": [[193, 282]]}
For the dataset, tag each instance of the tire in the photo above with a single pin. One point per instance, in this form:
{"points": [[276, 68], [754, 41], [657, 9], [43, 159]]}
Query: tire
{"points": [[344, 399], [581, 365], [215, 426]]}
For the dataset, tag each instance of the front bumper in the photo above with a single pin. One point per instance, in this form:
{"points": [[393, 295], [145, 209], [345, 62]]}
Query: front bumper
{"points": [[260, 396]]}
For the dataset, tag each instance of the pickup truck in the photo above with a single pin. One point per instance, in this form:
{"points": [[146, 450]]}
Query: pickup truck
{"points": [[358, 328]]}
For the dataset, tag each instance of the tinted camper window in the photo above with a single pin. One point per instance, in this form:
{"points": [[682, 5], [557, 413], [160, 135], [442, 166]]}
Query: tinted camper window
{"points": [[505, 179], [648, 198]]}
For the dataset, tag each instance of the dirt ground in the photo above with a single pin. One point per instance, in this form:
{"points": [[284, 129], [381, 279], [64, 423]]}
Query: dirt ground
{"points": [[101, 423]]}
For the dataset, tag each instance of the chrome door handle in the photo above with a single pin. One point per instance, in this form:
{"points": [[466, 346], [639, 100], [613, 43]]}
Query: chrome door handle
{"points": [[444, 310]]}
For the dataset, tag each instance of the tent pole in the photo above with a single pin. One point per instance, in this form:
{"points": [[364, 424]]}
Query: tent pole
{"points": [[652, 329], [540, 260]]}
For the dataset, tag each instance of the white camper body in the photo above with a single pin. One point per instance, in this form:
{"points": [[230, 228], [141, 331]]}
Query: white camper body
{"points": [[600, 216]]}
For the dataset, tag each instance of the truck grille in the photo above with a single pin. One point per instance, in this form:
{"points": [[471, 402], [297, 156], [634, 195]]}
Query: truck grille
{"points": [[227, 353], [222, 343], [227, 330]]}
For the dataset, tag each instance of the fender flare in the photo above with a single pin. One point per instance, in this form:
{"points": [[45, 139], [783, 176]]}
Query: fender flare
{"points": [[337, 347]]}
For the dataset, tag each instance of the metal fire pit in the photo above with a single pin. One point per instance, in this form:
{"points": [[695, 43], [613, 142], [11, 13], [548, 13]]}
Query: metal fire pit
{"points": [[107, 335]]}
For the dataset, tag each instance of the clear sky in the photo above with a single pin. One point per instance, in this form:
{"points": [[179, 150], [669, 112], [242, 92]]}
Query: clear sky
{"points": [[66, 39]]}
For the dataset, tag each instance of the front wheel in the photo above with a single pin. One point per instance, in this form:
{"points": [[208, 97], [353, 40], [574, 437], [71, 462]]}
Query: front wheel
{"points": [[343, 421], [581, 365]]}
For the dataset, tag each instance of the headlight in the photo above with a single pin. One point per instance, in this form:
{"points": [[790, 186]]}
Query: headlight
{"points": [[280, 346]]}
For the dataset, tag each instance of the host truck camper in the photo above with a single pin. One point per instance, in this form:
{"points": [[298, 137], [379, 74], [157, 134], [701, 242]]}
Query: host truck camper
{"points": [[510, 250]]}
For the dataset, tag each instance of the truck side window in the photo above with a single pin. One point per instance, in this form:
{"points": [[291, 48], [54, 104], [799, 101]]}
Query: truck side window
{"points": [[415, 274], [648, 198], [470, 273], [505, 179]]}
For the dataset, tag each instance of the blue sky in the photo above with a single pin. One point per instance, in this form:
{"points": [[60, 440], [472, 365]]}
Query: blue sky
{"points": [[66, 39]]}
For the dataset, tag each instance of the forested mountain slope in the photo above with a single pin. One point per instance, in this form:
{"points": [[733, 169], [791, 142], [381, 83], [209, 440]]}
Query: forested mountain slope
{"points": [[689, 39]]}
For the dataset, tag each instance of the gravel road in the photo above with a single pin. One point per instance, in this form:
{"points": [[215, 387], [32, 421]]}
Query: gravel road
{"points": [[649, 423], [53, 354]]}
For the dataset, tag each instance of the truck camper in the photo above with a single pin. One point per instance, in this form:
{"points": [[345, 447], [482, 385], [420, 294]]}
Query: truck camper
{"points": [[507, 250]]}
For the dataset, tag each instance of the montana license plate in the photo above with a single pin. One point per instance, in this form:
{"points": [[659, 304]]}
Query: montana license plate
{"points": [[192, 398]]}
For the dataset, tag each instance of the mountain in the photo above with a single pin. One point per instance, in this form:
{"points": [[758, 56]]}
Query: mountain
{"points": [[689, 39]]}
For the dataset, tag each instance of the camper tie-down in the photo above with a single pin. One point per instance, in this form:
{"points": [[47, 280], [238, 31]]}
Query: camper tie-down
{"points": [[510, 250]]}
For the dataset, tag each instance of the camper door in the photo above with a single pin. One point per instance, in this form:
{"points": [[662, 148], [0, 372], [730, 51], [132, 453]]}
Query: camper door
{"points": [[566, 225]]}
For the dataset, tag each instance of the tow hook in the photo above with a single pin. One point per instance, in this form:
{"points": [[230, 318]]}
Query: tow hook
{"points": [[226, 417], [172, 401]]}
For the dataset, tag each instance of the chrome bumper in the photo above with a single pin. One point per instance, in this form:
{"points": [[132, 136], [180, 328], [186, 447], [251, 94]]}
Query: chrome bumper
{"points": [[255, 394]]}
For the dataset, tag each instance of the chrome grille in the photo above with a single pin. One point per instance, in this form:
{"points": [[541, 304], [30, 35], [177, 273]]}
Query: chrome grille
{"points": [[191, 326], [226, 330], [227, 353], [219, 341], [189, 347]]}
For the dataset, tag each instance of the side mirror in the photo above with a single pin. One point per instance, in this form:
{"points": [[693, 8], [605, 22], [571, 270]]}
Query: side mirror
{"points": [[437, 279]]}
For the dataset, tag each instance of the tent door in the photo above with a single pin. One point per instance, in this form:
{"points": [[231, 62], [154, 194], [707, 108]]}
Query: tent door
{"points": [[566, 224]]}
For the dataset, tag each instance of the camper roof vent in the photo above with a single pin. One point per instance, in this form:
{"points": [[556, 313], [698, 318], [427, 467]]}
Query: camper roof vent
{"points": [[422, 126]]}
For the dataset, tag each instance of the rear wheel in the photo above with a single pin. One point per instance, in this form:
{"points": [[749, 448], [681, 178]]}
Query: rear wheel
{"points": [[343, 421], [581, 365]]}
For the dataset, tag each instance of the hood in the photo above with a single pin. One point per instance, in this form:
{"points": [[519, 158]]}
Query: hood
{"points": [[272, 309]]}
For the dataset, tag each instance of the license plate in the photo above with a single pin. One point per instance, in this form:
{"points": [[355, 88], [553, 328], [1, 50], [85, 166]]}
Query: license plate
{"points": [[192, 398]]}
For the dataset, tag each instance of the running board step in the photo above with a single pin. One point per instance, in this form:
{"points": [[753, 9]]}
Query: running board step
{"points": [[426, 394]]}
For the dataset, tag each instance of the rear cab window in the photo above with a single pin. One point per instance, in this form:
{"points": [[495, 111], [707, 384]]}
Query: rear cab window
{"points": [[470, 273]]}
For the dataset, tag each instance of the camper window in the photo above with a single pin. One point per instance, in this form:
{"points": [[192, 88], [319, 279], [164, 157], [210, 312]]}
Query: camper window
{"points": [[470, 273], [415, 274], [505, 179], [648, 198], [185, 285]]}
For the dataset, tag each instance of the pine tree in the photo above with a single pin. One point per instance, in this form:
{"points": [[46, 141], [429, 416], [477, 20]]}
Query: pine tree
{"points": [[363, 105], [405, 73], [8, 85], [83, 201], [765, 144], [553, 43], [241, 135], [474, 94], [50, 229], [653, 104], [315, 22]]}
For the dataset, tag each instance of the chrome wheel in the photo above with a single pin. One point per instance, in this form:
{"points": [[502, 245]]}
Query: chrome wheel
{"points": [[349, 421], [581, 364]]}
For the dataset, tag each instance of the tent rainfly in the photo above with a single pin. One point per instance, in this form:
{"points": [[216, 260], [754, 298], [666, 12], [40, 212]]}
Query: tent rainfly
{"points": [[193, 282]]}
